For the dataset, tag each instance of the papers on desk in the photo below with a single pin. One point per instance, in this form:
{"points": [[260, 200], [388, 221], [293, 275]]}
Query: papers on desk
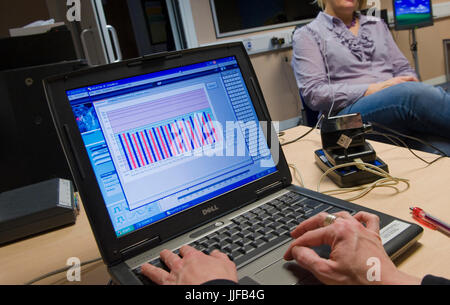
{"points": [[37, 27]]}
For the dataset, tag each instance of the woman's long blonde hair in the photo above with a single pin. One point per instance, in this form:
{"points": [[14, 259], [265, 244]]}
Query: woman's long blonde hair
{"points": [[362, 4]]}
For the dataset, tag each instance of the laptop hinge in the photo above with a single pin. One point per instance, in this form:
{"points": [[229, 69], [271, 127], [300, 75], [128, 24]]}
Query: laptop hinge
{"points": [[269, 189], [140, 247]]}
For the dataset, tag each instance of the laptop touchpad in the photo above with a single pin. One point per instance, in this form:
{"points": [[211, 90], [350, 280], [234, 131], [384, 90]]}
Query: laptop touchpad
{"points": [[281, 272]]}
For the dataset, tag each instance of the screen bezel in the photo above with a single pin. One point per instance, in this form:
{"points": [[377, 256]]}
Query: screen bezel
{"points": [[399, 27], [112, 247]]}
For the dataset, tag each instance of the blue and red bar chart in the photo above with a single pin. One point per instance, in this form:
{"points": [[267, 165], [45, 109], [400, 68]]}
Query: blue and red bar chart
{"points": [[154, 144], [155, 128]]}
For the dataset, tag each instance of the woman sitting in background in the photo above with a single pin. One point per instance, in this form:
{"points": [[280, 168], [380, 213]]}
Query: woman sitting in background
{"points": [[349, 63]]}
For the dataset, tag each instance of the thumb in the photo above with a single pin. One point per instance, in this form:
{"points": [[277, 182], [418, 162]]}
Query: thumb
{"points": [[308, 259]]}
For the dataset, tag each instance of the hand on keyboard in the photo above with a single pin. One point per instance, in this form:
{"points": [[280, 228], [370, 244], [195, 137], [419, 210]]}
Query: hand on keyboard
{"points": [[248, 237], [191, 267], [354, 249]]}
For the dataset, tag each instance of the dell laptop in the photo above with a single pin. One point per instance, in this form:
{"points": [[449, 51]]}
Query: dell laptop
{"points": [[178, 148]]}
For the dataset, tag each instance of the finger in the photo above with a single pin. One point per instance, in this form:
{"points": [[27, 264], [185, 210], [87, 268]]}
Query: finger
{"points": [[310, 224], [409, 78], [316, 222], [188, 251], [220, 255], [171, 259], [371, 221], [321, 236], [155, 274], [401, 81], [308, 259], [343, 214]]}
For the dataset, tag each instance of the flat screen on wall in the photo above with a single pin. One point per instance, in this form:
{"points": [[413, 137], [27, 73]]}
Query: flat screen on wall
{"points": [[235, 17], [411, 14]]}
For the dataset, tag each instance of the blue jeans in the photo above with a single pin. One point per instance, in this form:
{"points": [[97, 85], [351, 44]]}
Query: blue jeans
{"points": [[412, 108]]}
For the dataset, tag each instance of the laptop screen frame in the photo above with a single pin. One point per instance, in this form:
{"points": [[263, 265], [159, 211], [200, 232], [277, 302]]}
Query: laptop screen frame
{"points": [[115, 249]]}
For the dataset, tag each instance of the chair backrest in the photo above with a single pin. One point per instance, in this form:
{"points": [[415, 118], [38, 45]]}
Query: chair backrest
{"points": [[311, 115]]}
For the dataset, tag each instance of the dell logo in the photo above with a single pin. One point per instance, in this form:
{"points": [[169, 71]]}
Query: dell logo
{"points": [[209, 210]]}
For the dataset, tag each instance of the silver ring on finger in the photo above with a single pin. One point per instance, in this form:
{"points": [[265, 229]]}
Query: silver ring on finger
{"points": [[329, 219]]}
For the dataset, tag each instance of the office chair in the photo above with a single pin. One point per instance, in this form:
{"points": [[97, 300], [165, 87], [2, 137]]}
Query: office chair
{"points": [[310, 115]]}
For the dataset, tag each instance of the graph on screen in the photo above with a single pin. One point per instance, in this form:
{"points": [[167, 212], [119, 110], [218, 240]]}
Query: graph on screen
{"points": [[157, 142], [153, 130]]}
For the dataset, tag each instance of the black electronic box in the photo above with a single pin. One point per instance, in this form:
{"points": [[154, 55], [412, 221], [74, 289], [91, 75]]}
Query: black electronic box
{"points": [[36, 208]]}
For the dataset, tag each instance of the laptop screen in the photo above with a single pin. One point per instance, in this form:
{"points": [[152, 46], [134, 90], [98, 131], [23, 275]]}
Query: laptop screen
{"points": [[164, 142]]}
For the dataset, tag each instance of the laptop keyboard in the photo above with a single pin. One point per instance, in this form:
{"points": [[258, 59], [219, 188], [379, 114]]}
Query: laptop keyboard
{"points": [[257, 231]]}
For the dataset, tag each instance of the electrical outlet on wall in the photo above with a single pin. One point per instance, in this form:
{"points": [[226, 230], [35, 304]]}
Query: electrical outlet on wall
{"points": [[266, 42]]}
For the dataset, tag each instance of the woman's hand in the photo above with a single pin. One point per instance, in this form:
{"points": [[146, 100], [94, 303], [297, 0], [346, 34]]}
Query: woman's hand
{"points": [[354, 248], [192, 268], [373, 88]]}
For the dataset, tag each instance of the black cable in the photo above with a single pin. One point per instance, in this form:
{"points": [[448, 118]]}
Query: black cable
{"points": [[402, 143], [412, 47], [409, 137], [299, 138], [389, 137]]}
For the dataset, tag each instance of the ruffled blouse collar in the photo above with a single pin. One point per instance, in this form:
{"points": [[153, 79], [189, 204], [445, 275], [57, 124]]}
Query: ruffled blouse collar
{"points": [[362, 45]]}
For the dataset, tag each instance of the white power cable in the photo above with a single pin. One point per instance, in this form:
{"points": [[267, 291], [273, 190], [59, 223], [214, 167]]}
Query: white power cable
{"points": [[386, 180], [297, 175]]}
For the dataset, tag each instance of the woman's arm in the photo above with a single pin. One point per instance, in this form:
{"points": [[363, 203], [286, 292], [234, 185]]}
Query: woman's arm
{"points": [[312, 78], [399, 62], [402, 71]]}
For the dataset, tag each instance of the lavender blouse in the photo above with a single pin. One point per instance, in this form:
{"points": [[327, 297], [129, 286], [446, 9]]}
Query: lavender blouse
{"points": [[354, 62]]}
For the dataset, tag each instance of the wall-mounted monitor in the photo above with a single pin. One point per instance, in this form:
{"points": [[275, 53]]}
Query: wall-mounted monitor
{"points": [[412, 14], [235, 17]]}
